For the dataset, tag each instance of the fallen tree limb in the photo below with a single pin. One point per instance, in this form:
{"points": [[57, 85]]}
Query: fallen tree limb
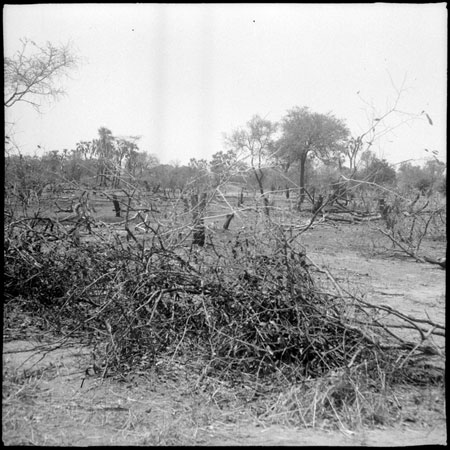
{"points": [[402, 247], [440, 262], [407, 322], [353, 218]]}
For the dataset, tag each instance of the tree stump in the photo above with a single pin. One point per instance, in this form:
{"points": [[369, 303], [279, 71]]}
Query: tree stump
{"points": [[198, 207], [228, 219], [199, 234], [241, 198], [116, 205], [317, 204]]}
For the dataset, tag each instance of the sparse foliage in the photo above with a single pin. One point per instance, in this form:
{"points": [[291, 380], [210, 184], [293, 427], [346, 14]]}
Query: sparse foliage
{"points": [[256, 144], [226, 165], [35, 72], [427, 179], [378, 171]]}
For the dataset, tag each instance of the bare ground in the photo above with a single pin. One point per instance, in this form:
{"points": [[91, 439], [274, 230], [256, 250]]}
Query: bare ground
{"points": [[364, 262], [48, 399]]}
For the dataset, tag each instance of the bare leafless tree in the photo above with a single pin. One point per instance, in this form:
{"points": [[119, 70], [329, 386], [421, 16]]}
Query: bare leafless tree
{"points": [[35, 72]]}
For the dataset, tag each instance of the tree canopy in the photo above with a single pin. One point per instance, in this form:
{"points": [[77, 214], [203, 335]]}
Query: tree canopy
{"points": [[306, 133]]}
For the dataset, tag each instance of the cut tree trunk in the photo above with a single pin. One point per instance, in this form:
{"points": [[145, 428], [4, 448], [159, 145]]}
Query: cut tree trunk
{"points": [[227, 221]]}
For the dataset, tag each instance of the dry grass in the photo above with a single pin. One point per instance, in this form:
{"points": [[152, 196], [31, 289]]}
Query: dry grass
{"points": [[176, 404], [163, 407]]}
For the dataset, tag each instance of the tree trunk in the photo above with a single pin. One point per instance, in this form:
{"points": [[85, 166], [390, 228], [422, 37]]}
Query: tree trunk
{"points": [[198, 208], [227, 221], [199, 233], [259, 178], [241, 198], [317, 204], [116, 206], [302, 181]]}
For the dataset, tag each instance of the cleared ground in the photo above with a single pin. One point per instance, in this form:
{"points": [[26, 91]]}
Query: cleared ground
{"points": [[55, 402]]}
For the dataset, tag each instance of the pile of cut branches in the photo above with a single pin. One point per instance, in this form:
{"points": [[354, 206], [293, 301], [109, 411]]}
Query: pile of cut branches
{"points": [[248, 305]]}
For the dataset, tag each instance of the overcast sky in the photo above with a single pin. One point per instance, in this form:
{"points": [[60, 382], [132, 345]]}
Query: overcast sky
{"points": [[181, 75]]}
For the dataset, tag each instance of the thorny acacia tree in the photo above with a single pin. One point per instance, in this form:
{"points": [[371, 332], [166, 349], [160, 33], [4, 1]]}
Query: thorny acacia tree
{"points": [[305, 133], [34, 72], [256, 143]]}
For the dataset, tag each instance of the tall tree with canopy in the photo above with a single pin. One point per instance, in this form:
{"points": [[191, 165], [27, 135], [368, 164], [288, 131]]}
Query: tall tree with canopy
{"points": [[256, 143], [308, 134]]}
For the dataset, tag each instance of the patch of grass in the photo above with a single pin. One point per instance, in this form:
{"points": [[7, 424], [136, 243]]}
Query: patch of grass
{"points": [[349, 401]]}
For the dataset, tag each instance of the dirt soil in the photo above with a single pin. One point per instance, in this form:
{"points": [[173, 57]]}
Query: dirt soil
{"points": [[364, 262], [60, 404]]}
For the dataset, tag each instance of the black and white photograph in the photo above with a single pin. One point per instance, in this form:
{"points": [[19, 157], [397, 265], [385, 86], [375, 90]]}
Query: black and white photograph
{"points": [[224, 224]]}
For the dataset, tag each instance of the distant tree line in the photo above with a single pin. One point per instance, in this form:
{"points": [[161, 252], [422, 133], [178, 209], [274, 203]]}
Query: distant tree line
{"points": [[305, 151], [254, 159]]}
